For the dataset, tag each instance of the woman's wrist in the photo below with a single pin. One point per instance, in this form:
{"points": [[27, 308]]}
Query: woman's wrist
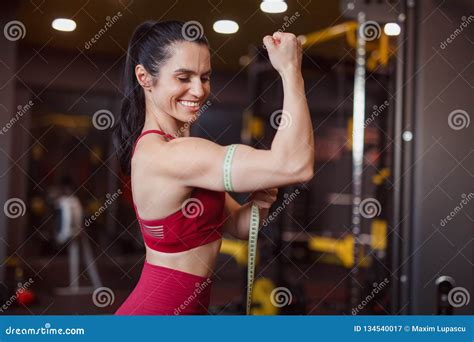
{"points": [[293, 82], [291, 75]]}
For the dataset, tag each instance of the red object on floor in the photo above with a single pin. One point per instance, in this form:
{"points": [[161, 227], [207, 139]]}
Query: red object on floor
{"points": [[25, 296]]}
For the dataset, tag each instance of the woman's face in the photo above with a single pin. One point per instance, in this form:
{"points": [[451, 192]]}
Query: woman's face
{"points": [[183, 82]]}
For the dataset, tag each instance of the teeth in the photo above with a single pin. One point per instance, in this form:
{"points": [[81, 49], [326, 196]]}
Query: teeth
{"points": [[189, 103]]}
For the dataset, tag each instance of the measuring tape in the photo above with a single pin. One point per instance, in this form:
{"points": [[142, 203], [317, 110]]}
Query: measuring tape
{"points": [[253, 229]]}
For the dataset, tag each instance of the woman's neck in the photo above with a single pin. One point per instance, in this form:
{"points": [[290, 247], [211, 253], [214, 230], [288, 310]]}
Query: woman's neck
{"points": [[164, 123]]}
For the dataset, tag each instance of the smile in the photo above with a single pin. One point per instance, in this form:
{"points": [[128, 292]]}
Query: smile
{"points": [[189, 104]]}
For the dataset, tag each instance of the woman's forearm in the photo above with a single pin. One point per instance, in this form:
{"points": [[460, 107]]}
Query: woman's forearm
{"points": [[294, 139]]}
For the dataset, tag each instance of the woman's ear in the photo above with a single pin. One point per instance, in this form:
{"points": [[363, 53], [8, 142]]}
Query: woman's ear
{"points": [[143, 77]]}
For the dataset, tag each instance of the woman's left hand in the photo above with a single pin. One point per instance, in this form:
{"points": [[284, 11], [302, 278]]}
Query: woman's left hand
{"points": [[264, 198]]}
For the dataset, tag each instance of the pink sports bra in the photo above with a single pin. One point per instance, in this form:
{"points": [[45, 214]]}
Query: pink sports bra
{"points": [[198, 222]]}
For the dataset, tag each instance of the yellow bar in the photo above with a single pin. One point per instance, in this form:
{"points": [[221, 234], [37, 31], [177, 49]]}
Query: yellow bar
{"points": [[378, 234], [343, 248], [327, 34], [383, 49], [236, 249]]}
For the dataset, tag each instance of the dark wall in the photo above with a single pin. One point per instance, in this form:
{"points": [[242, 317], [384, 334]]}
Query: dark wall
{"points": [[443, 166]]}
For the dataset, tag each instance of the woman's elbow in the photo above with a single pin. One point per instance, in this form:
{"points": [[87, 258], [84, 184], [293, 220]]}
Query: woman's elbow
{"points": [[307, 174], [301, 173]]}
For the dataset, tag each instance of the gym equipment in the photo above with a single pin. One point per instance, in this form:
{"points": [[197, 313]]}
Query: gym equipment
{"points": [[70, 230], [349, 250]]}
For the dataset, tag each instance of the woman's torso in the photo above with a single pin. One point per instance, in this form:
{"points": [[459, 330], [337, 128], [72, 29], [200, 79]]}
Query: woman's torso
{"points": [[156, 197]]}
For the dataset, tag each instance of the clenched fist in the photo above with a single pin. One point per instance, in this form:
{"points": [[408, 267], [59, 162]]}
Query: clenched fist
{"points": [[284, 51], [264, 198]]}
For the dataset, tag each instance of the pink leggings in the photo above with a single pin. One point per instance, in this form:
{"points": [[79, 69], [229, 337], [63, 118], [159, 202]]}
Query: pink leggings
{"points": [[165, 291]]}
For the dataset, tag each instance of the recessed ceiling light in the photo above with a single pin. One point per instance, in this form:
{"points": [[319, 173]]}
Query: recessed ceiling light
{"points": [[63, 24], [225, 26], [273, 6], [391, 29]]}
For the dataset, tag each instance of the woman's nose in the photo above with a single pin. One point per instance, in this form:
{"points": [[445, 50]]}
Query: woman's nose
{"points": [[197, 89]]}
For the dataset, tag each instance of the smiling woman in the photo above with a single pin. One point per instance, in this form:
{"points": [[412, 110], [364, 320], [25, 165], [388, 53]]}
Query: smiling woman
{"points": [[178, 184]]}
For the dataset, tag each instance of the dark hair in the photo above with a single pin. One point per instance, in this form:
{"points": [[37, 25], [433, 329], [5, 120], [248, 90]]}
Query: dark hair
{"points": [[149, 46]]}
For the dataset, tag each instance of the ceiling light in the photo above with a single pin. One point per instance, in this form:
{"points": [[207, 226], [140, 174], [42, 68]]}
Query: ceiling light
{"points": [[63, 24], [273, 6], [225, 26], [391, 29]]}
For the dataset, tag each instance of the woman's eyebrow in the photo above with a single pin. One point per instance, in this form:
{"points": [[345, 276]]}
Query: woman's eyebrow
{"points": [[189, 71]]}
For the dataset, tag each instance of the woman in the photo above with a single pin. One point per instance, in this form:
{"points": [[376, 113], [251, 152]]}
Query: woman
{"points": [[177, 181]]}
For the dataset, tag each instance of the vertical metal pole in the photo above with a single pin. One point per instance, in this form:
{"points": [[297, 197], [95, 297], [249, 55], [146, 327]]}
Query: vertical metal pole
{"points": [[397, 168], [406, 205], [357, 153]]}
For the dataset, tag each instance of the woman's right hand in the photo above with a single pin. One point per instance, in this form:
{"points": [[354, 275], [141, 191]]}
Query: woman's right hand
{"points": [[284, 51]]}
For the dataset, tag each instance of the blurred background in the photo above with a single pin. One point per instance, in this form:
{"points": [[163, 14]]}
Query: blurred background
{"points": [[384, 227]]}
